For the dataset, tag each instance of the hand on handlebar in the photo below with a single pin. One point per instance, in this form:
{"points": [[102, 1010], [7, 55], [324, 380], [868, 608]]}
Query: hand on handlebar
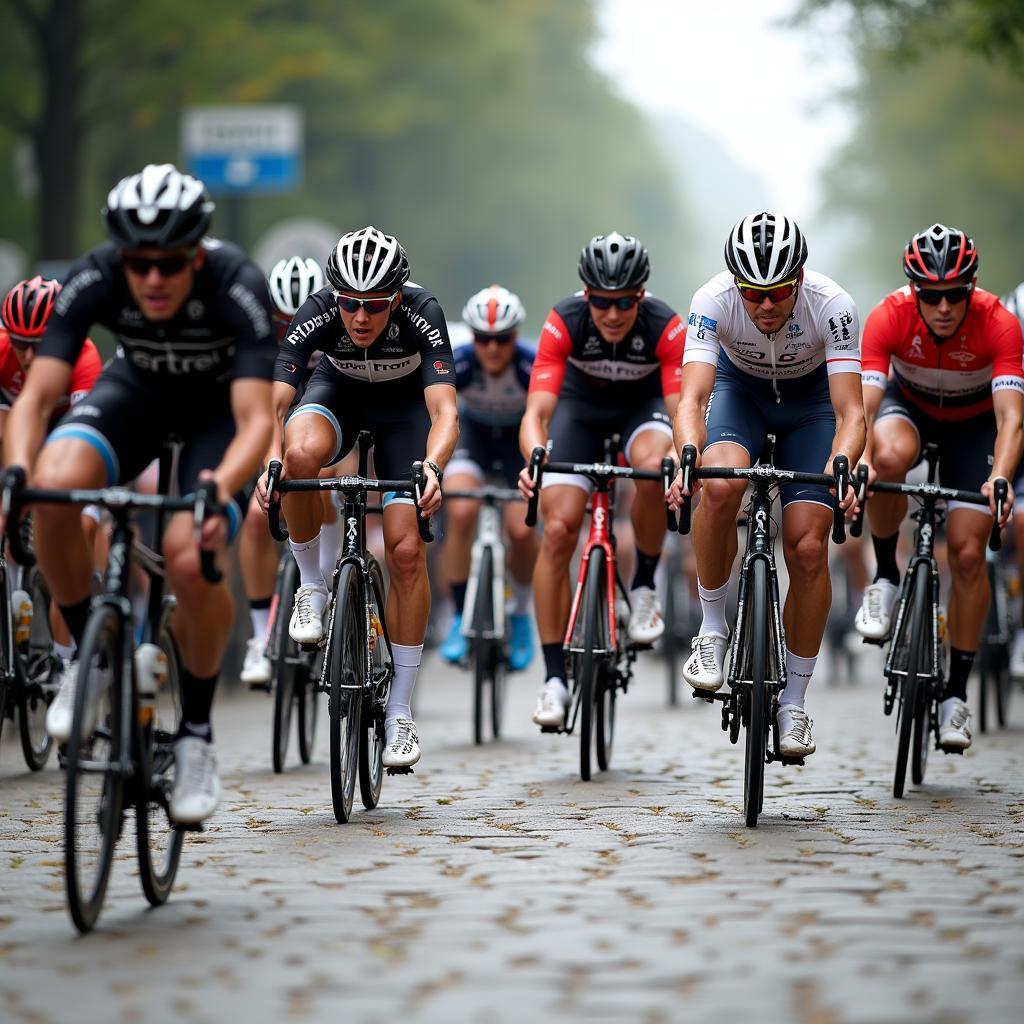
{"points": [[262, 496], [214, 533], [525, 482], [674, 495], [1003, 514], [430, 500]]}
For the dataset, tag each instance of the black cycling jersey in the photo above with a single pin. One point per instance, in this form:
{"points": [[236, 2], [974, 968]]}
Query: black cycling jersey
{"points": [[222, 332], [410, 354]]}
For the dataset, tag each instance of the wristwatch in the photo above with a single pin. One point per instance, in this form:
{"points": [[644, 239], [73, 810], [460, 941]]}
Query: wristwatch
{"points": [[437, 470]]}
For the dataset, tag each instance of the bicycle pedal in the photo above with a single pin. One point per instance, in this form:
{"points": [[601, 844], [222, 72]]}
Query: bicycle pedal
{"points": [[880, 642], [552, 728], [400, 770], [196, 827], [798, 761], [951, 750]]}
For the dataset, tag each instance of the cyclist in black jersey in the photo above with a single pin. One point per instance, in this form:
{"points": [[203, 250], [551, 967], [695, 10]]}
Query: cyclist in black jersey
{"points": [[195, 356], [387, 367]]}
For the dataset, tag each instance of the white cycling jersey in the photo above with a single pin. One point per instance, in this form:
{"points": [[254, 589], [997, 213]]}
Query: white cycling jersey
{"points": [[823, 328]]}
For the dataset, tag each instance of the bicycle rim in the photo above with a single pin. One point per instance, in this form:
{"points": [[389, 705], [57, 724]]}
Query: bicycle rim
{"points": [[159, 842], [910, 686], [498, 679], [757, 725], [286, 666], [38, 663], [605, 724], [371, 748], [348, 675], [307, 706], [94, 785], [588, 662]]}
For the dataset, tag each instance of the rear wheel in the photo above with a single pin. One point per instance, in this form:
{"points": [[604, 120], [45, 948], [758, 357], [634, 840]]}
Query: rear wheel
{"points": [[347, 676], [371, 749], [483, 624], [287, 665], [757, 696], [95, 786], [38, 664], [912, 690], [499, 676], [307, 705], [589, 661]]}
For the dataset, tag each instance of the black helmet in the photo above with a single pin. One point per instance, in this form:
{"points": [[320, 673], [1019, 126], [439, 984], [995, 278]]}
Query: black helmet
{"points": [[614, 262], [764, 249], [367, 261], [158, 208], [940, 254]]}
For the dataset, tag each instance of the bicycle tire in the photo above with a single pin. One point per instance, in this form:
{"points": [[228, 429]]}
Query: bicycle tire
{"points": [[588, 661], [499, 677], [37, 662], [7, 668], [307, 705], [483, 622], [347, 676], [1004, 689], [757, 697], [158, 841], [286, 666], [910, 688], [371, 745], [100, 671]]}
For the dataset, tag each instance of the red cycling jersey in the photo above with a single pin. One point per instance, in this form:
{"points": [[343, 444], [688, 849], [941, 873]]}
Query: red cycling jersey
{"points": [[953, 380], [83, 375]]}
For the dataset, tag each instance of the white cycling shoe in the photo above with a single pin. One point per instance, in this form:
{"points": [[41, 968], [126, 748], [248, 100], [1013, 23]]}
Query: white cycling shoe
{"points": [[795, 738], [196, 790], [646, 623], [874, 617], [705, 667], [306, 625], [954, 724], [61, 713], [552, 703], [256, 667], [403, 744]]}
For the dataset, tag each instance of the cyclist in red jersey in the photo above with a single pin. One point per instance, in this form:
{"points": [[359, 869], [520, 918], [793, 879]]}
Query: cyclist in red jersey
{"points": [[957, 381]]}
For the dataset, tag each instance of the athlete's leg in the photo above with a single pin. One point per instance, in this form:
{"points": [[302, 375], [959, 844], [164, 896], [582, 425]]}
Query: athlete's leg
{"points": [[805, 534]]}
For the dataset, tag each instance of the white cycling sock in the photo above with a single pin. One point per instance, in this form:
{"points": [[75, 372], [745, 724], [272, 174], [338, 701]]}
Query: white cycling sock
{"points": [[65, 651], [798, 676], [307, 558], [260, 618], [520, 596], [407, 665], [712, 604], [331, 535]]}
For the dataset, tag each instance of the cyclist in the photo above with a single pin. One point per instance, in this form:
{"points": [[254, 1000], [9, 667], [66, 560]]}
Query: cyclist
{"points": [[492, 375], [26, 312], [386, 367], [1014, 302], [608, 362], [195, 354], [957, 381], [771, 348], [291, 282]]}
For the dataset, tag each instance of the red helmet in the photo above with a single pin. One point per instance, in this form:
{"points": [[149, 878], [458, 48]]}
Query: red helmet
{"points": [[940, 254], [28, 306]]}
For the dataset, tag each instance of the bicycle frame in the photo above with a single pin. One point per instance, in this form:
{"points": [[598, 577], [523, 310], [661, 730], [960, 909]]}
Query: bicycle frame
{"points": [[600, 540], [489, 534]]}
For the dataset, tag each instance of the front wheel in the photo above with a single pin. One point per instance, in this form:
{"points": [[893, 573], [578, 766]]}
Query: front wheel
{"points": [[287, 665], [347, 673], [757, 696], [913, 689], [371, 748], [588, 662], [38, 662]]}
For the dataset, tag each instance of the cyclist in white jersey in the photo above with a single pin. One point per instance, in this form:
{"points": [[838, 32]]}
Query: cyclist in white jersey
{"points": [[771, 348]]}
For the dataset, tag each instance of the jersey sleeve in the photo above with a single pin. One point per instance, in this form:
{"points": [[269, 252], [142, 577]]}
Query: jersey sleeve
{"points": [[246, 310], [702, 344], [669, 351], [437, 364], [77, 308], [86, 369], [312, 330], [839, 325], [552, 356], [880, 338], [1007, 350]]}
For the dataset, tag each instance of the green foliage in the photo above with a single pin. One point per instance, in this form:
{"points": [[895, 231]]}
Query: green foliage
{"points": [[475, 131]]}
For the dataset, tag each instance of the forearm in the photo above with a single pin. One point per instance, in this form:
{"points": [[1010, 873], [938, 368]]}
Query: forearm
{"points": [[282, 397], [443, 436], [24, 432], [850, 435], [872, 403], [1009, 443], [533, 431], [244, 455], [688, 426]]}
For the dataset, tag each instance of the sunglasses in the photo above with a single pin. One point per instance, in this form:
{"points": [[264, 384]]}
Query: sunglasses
{"points": [[22, 343], [777, 293], [350, 304], [498, 339], [166, 266], [933, 296], [624, 302]]}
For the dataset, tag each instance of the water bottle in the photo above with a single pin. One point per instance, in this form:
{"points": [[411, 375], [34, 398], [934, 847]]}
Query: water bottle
{"points": [[150, 676], [21, 612]]}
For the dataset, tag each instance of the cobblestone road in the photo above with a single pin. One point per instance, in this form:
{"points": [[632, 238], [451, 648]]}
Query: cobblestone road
{"points": [[493, 885]]}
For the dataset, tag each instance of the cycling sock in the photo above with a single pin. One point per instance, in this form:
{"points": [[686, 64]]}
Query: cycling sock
{"points": [[196, 701], [554, 661], [331, 536], [407, 666], [76, 615], [798, 676], [712, 604], [646, 564], [520, 596], [65, 651], [459, 596], [259, 615], [307, 558], [960, 664], [885, 556]]}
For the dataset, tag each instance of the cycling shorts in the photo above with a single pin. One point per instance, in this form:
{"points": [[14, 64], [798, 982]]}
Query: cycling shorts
{"points": [[578, 430], [128, 424], [399, 427], [965, 446], [744, 411], [487, 452]]}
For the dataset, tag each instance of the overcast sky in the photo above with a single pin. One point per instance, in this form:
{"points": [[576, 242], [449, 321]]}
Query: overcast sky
{"points": [[732, 69]]}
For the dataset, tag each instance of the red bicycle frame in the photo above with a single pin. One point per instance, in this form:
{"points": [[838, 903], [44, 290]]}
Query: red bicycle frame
{"points": [[598, 540]]}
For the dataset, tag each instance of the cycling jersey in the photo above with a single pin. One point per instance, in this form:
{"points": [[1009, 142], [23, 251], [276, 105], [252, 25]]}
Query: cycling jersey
{"points": [[822, 331], [222, 332], [411, 353], [492, 401], [575, 361], [83, 376], [948, 379]]}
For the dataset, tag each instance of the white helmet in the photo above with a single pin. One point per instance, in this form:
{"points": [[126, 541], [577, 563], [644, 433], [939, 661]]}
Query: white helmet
{"points": [[494, 310], [367, 261], [159, 207], [292, 282], [764, 249]]}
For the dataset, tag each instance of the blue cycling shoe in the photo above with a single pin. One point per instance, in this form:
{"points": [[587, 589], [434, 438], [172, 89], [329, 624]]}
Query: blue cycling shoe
{"points": [[520, 642], [454, 648]]}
